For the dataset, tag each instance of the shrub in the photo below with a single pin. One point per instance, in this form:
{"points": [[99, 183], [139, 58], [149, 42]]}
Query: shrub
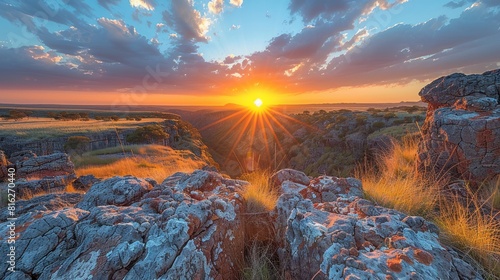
{"points": [[147, 134], [389, 115], [77, 144], [378, 125]]}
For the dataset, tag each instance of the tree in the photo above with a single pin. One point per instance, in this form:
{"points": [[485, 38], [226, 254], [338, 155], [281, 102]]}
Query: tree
{"points": [[17, 115], [147, 134]]}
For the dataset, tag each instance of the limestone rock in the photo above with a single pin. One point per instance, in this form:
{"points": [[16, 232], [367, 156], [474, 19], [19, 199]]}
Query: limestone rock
{"points": [[461, 133], [120, 191], [42, 166], [289, 175], [48, 184], [189, 227], [43, 203], [83, 183], [330, 232], [22, 156]]}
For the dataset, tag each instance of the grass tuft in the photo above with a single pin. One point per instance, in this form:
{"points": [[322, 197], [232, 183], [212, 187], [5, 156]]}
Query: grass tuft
{"points": [[259, 196], [395, 183]]}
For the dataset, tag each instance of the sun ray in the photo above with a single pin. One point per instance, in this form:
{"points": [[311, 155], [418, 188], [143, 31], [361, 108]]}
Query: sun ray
{"points": [[222, 120], [230, 130], [295, 120], [281, 126]]}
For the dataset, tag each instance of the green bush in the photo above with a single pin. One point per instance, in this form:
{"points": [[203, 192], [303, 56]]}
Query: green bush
{"points": [[389, 115], [147, 134], [77, 144], [378, 125]]}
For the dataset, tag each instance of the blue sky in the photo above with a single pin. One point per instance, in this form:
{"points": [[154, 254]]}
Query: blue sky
{"points": [[221, 50]]}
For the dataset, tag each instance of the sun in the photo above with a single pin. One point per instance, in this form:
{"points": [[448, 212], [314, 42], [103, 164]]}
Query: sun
{"points": [[258, 102]]}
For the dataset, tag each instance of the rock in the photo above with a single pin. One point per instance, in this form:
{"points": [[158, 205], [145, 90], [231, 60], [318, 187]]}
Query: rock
{"points": [[329, 232], [42, 166], [289, 175], [190, 227], [44, 203], [22, 156], [119, 191], [4, 163], [83, 183], [461, 133], [49, 184]]}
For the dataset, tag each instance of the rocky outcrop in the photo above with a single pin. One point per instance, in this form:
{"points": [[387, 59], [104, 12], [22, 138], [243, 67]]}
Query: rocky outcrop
{"points": [[329, 232], [188, 227], [3, 165], [83, 183], [48, 184], [193, 226], [22, 156], [44, 203], [56, 164], [461, 134]]}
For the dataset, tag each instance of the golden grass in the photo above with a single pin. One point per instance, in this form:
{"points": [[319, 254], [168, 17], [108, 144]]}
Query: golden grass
{"points": [[38, 128], [151, 161], [259, 196], [472, 232], [397, 184]]}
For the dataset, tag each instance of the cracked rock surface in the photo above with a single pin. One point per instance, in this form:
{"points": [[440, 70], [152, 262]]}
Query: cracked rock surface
{"points": [[328, 231], [188, 227], [461, 133], [191, 226]]}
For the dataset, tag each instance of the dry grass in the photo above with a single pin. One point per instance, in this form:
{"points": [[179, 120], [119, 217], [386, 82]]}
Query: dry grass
{"points": [[259, 196], [258, 264], [472, 232], [396, 184], [37, 128], [260, 199], [151, 161]]}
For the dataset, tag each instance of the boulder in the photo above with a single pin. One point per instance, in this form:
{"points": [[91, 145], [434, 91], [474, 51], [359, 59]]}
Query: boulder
{"points": [[51, 165], [43, 203], [83, 183], [289, 175], [22, 156], [328, 231], [48, 184], [189, 227], [461, 133], [120, 191]]}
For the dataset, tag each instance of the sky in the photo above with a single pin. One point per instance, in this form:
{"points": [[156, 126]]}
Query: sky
{"points": [[213, 52]]}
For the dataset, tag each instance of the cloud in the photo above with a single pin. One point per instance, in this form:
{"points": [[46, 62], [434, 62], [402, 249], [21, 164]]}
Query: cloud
{"points": [[236, 3], [234, 27], [143, 4], [186, 21], [454, 4], [107, 3], [160, 27], [216, 6]]}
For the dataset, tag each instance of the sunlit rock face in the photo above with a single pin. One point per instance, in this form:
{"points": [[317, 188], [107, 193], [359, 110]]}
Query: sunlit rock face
{"points": [[194, 226], [188, 227], [461, 133], [328, 231]]}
